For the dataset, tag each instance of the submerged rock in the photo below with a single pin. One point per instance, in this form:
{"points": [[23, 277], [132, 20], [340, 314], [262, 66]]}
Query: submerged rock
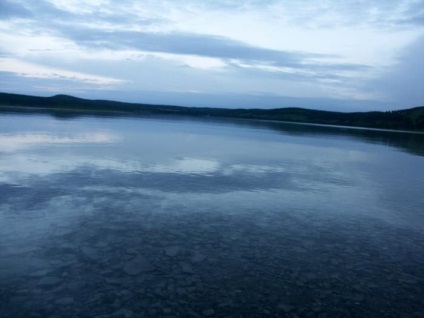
{"points": [[208, 312], [121, 313], [197, 257], [172, 251], [39, 273], [186, 267], [286, 308], [90, 253], [137, 265], [65, 301], [49, 281]]}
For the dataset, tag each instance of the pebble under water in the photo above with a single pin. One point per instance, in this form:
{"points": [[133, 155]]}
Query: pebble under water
{"points": [[206, 229]]}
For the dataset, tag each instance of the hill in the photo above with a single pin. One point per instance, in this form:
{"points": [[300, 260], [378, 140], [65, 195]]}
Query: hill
{"points": [[407, 119]]}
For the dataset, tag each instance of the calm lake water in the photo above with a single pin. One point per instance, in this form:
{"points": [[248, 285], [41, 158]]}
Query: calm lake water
{"points": [[161, 217]]}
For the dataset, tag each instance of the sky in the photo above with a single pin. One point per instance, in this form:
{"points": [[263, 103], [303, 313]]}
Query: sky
{"points": [[345, 55]]}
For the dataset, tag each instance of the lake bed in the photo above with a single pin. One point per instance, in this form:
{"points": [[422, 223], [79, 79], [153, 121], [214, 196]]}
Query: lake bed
{"points": [[166, 217]]}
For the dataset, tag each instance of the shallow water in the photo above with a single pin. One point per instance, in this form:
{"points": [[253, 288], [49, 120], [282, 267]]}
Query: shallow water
{"points": [[162, 217]]}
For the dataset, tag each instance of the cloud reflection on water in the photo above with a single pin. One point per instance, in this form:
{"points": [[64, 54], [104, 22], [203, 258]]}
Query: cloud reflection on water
{"points": [[185, 166], [14, 142]]}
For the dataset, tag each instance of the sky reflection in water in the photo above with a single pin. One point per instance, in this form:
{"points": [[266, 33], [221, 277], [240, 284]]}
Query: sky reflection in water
{"points": [[207, 205]]}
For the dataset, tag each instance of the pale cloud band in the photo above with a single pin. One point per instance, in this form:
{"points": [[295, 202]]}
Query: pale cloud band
{"points": [[346, 50], [26, 69]]}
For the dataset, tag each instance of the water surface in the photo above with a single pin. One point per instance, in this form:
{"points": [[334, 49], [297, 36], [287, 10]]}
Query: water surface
{"points": [[162, 217]]}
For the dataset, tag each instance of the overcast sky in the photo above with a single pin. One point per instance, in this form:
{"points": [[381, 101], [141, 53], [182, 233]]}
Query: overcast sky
{"points": [[338, 55]]}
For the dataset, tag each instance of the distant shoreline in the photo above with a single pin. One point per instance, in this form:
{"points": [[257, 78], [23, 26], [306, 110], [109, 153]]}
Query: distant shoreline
{"points": [[407, 120]]}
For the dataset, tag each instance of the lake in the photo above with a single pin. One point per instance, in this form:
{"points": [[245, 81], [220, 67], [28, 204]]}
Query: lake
{"points": [[164, 217]]}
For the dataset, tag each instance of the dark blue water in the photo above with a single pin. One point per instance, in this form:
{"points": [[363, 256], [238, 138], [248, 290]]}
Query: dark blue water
{"points": [[162, 217]]}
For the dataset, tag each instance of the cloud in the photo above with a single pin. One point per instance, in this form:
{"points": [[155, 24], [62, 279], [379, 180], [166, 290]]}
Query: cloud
{"points": [[403, 82], [13, 9], [15, 142], [208, 46], [14, 83], [414, 15], [24, 69], [372, 13], [322, 50], [182, 43], [97, 35], [32, 10]]}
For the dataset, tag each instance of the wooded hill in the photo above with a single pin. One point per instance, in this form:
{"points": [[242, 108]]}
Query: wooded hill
{"points": [[407, 119]]}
